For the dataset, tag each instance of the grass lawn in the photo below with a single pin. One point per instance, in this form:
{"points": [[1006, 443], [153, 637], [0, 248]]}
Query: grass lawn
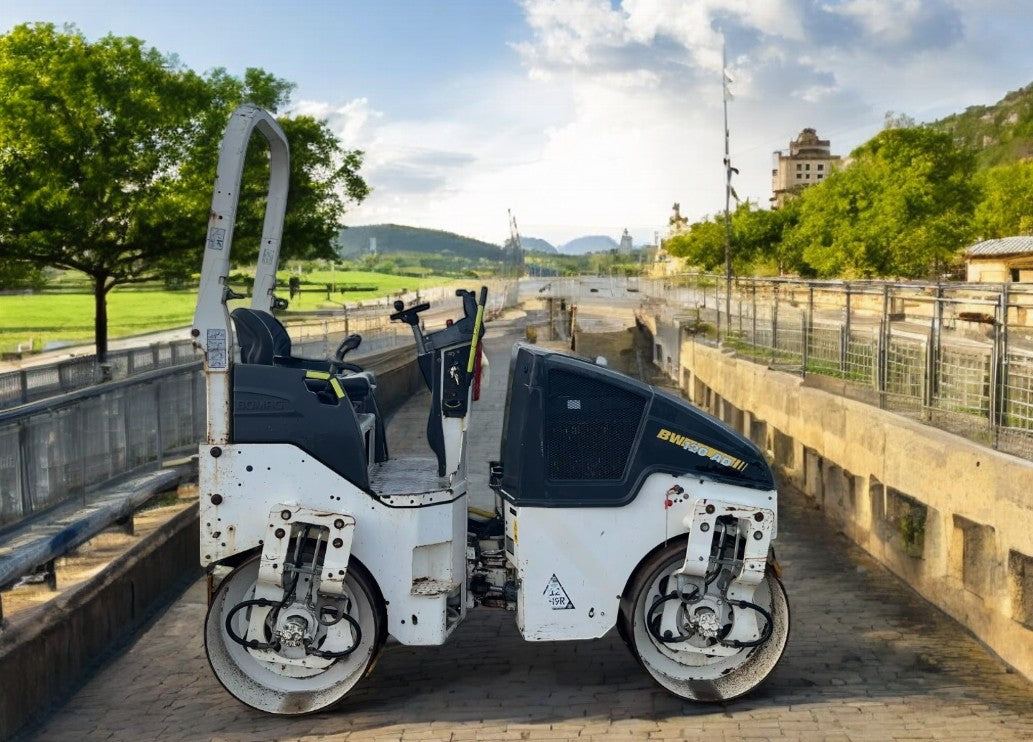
{"points": [[51, 318]]}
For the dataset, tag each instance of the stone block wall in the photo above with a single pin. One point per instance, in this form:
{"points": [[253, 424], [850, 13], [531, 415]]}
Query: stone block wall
{"points": [[951, 517]]}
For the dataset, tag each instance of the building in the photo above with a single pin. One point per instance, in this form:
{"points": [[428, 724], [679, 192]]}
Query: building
{"points": [[665, 264], [627, 246], [809, 161], [1004, 260]]}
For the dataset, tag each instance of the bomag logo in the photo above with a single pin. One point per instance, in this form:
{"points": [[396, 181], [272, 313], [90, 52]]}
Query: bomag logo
{"points": [[701, 449], [260, 405]]}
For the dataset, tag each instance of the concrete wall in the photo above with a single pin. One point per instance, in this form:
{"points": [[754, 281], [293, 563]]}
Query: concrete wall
{"points": [[43, 661], [952, 518]]}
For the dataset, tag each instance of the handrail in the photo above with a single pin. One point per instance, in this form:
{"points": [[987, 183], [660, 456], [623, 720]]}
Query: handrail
{"points": [[51, 403]]}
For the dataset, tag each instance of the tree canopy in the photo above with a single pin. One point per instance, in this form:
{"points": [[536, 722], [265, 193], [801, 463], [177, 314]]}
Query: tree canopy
{"points": [[108, 152], [902, 208], [1006, 206]]}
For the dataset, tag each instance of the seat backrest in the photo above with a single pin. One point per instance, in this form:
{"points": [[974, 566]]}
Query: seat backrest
{"points": [[281, 340], [253, 336]]}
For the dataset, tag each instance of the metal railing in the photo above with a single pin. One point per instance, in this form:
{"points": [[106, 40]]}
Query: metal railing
{"points": [[312, 337], [63, 447], [958, 356], [33, 383], [60, 450]]}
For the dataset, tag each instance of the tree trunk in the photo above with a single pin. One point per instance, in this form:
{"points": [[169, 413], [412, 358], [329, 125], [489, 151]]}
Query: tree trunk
{"points": [[100, 317]]}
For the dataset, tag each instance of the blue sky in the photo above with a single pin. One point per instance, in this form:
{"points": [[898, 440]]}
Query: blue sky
{"points": [[582, 116]]}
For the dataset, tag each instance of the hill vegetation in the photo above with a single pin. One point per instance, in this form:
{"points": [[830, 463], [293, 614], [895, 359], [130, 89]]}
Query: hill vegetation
{"points": [[587, 244], [911, 199], [536, 244], [394, 238], [1000, 134]]}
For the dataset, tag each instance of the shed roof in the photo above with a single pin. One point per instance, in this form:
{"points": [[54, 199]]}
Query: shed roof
{"points": [[1002, 246]]}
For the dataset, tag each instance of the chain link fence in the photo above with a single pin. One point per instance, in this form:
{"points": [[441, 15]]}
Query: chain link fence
{"points": [[957, 356]]}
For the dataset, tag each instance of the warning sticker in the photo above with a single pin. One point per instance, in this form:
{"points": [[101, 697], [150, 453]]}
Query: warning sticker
{"points": [[216, 348], [556, 596], [216, 238]]}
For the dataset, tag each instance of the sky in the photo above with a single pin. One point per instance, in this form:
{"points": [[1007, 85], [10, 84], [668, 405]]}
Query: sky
{"points": [[582, 116]]}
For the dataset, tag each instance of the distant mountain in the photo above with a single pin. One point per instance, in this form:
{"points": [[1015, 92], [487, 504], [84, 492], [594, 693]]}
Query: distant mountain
{"points": [[394, 238], [1001, 133], [587, 244], [538, 245]]}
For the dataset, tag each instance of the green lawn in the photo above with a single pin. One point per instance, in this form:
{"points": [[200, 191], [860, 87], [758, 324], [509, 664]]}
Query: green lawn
{"points": [[48, 318]]}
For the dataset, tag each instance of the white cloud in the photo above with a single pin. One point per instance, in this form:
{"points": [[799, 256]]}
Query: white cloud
{"points": [[619, 112]]}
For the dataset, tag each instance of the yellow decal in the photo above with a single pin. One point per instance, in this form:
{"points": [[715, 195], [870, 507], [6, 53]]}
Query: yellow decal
{"points": [[701, 449]]}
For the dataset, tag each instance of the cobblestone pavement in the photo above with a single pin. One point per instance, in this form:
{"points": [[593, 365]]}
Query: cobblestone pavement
{"points": [[867, 660]]}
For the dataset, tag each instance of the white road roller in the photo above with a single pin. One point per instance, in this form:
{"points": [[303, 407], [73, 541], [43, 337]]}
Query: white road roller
{"points": [[618, 505]]}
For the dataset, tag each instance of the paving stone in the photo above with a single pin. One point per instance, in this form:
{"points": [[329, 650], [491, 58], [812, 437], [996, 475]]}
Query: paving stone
{"points": [[867, 659]]}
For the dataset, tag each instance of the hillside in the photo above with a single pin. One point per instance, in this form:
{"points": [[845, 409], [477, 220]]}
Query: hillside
{"points": [[587, 244], [394, 238], [1001, 133], [536, 244]]}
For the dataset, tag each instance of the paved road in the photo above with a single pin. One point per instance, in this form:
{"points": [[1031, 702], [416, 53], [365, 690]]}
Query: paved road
{"points": [[867, 660]]}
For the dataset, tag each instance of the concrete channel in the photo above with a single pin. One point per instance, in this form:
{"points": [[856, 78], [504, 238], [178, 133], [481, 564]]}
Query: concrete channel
{"points": [[868, 659]]}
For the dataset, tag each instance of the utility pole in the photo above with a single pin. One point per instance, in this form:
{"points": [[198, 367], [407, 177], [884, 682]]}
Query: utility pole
{"points": [[514, 241], [727, 95]]}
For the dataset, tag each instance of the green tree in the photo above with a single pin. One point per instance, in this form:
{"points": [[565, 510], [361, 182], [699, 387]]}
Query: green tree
{"points": [[20, 275], [758, 239], [89, 136], [702, 245], [108, 152], [1005, 208], [902, 208]]}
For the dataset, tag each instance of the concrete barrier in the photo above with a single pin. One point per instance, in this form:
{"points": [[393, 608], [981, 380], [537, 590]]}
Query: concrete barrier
{"points": [[950, 517]]}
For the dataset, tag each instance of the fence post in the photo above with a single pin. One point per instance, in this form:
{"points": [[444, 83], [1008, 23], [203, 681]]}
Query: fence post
{"points": [[83, 438], [809, 326], [159, 439], [844, 335], [739, 300], [803, 339], [881, 370], [774, 322], [753, 338], [999, 367], [933, 361], [24, 462], [717, 306]]}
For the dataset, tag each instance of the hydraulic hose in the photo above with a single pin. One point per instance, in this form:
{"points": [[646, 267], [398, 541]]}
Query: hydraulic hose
{"points": [[765, 634], [254, 643]]}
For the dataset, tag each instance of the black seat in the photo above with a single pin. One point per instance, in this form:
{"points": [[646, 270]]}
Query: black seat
{"points": [[273, 404], [264, 341], [253, 336]]}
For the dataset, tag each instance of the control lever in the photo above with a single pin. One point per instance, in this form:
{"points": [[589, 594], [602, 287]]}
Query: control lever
{"points": [[409, 316]]}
